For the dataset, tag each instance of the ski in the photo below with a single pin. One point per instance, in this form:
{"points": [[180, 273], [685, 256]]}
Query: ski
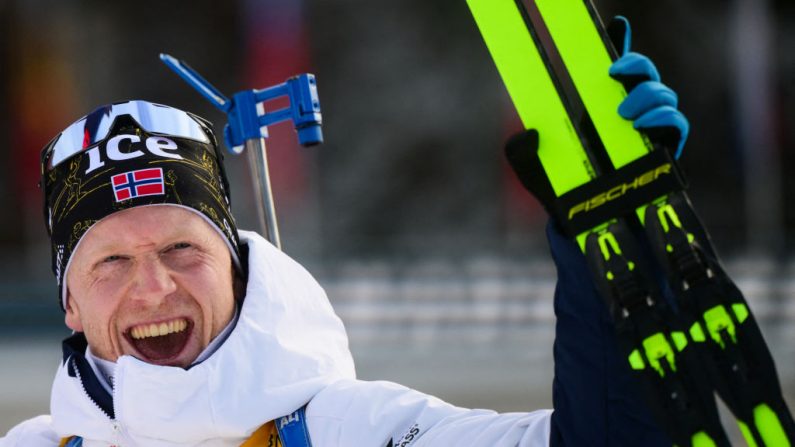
{"points": [[609, 187]]}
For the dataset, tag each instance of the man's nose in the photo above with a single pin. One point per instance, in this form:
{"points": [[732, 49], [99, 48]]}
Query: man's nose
{"points": [[152, 281]]}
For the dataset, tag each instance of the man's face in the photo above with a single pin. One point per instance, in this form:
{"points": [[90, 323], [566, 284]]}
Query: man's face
{"points": [[153, 282]]}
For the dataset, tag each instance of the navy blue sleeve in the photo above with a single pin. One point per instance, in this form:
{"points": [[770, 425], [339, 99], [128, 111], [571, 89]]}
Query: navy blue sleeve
{"points": [[596, 402]]}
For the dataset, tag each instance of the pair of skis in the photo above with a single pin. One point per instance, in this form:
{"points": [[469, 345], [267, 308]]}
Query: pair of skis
{"points": [[617, 194]]}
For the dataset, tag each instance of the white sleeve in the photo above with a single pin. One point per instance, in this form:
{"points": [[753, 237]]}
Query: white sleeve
{"points": [[382, 414], [36, 432]]}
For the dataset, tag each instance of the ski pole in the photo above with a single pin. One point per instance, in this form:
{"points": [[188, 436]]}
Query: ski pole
{"points": [[248, 123]]}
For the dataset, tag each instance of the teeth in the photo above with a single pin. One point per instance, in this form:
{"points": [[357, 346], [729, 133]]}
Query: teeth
{"points": [[156, 330]]}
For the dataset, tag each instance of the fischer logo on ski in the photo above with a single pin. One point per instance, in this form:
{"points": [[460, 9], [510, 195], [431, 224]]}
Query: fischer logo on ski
{"points": [[620, 190]]}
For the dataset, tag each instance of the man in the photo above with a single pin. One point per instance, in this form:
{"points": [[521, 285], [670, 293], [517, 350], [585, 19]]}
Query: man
{"points": [[189, 332]]}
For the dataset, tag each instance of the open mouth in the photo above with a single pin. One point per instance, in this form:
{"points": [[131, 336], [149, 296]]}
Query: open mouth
{"points": [[160, 342]]}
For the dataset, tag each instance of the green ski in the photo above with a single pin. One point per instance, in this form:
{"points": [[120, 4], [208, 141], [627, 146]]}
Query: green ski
{"points": [[600, 178]]}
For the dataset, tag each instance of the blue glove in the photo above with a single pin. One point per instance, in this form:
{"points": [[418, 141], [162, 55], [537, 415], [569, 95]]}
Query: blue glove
{"points": [[650, 104]]}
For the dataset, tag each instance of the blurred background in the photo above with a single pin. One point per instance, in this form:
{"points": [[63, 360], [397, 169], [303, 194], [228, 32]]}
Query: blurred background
{"points": [[430, 251]]}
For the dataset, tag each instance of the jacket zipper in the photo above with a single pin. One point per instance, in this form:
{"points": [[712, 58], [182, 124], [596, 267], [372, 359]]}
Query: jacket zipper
{"points": [[114, 422]]}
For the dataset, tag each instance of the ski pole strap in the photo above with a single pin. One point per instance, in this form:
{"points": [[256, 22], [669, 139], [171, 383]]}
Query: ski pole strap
{"points": [[293, 431], [71, 441], [615, 194]]}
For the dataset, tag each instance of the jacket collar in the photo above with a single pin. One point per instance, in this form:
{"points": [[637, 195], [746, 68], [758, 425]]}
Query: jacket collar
{"points": [[77, 366]]}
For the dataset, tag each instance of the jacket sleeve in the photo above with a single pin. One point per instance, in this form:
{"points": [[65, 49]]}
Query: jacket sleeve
{"points": [[36, 432], [595, 399], [382, 414]]}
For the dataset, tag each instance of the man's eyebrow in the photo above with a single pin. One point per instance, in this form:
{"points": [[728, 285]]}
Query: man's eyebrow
{"points": [[114, 245]]}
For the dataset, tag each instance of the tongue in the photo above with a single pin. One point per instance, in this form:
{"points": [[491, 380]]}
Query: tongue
{"points": [[163, 347]]}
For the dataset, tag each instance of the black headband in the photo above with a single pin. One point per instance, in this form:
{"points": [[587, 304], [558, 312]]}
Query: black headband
{"points": [[130, 168]]}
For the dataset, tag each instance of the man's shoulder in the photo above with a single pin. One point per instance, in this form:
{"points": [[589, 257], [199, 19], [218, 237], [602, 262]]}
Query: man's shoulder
{"points": [[373, 407], [340, 396], [36, 432], [357, 412]]}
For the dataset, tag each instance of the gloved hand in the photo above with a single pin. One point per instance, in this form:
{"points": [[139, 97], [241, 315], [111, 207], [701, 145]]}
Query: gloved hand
{"points": [[650, 104]]}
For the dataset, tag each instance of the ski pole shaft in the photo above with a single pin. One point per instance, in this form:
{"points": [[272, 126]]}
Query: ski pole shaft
{"points": [[258, 162]]}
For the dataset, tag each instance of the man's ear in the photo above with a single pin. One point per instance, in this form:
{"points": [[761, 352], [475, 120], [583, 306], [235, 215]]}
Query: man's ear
{"points": [[72, 314]]}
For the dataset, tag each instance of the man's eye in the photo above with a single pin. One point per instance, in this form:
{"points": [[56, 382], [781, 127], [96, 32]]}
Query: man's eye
{"points": [[180, 246], [112, 258]]}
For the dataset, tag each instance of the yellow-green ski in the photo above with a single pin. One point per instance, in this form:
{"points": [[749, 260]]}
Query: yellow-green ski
{"points": [[596, 174]]}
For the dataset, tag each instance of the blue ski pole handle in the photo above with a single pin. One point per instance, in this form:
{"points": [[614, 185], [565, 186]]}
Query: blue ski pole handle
{"points": [[247, 118], [197, 82]]}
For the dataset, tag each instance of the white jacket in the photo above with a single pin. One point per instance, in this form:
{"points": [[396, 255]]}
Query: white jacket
{"points": [[288, 348]]}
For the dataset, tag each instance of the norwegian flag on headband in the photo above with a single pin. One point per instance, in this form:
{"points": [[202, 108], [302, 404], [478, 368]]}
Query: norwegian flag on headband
{"points": [[143, 182]]}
